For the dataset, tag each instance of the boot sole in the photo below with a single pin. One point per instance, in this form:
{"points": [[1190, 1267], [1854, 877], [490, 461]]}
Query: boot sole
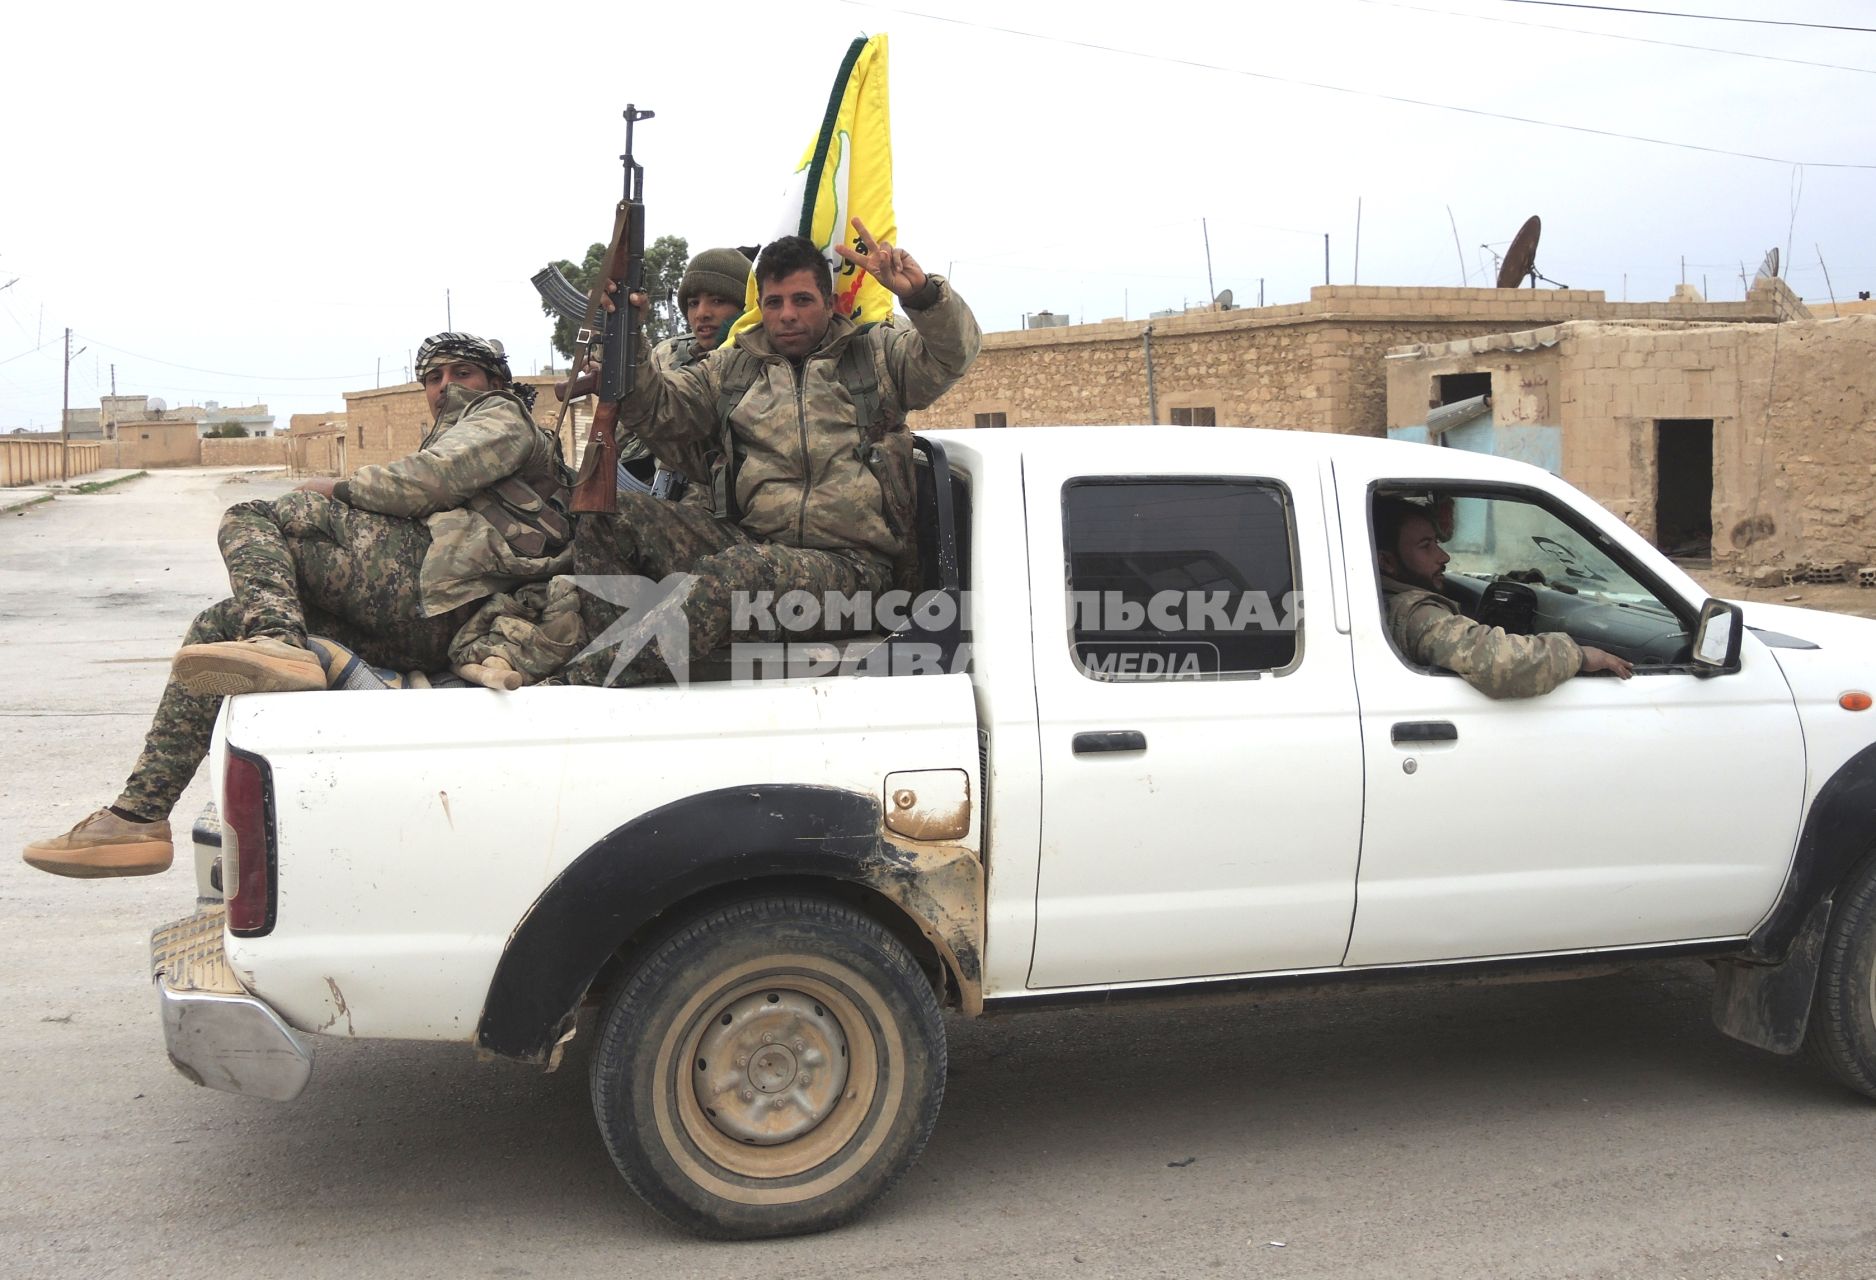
{"points": [[103, 861], [225, 676]]}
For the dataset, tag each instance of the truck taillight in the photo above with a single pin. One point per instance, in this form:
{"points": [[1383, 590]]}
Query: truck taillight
{"points": [[247, 817]]}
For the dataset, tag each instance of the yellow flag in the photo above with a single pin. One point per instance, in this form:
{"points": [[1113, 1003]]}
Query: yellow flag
{"points": [[845, 173]]}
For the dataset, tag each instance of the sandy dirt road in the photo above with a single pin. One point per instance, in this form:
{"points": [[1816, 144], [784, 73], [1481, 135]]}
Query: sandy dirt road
{"points": [[1590, 1129]]}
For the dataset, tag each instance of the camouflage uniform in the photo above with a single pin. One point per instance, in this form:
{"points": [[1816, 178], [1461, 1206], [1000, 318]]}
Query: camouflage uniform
{"points": [[809, 507], [459, 483], [676, 353], [653, 539], [390, 566], [689, 461], [1429, 629], [803, 477]]}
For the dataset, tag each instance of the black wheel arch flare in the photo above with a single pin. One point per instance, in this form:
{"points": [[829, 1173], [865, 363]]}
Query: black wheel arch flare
{"points": [[1838, 832], [657, 860]]}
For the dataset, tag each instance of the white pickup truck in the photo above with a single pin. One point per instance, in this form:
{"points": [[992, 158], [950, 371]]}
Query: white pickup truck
{"points": [[1145, 735]]}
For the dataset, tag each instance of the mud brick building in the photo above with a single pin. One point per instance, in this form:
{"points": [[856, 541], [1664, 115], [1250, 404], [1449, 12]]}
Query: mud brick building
{"points": [[1313, 366], [1753, 445]]}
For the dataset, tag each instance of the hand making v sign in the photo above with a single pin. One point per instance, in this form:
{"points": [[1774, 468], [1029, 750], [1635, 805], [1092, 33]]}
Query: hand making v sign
{"points": [[891, 266]]}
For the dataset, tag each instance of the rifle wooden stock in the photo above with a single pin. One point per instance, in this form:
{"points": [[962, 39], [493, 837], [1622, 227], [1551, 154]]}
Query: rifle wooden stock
{"points": [[596, 487]]}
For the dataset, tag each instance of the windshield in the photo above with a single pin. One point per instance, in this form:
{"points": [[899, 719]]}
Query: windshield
{"points": [[1498, 538]]}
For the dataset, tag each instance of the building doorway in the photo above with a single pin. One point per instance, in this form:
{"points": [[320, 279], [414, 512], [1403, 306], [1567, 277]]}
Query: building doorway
{"points": [[1684, 487]]}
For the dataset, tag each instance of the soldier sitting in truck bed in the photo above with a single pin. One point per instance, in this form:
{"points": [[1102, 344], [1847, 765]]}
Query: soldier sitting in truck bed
{"points": [[390, 561], [812, 482]]}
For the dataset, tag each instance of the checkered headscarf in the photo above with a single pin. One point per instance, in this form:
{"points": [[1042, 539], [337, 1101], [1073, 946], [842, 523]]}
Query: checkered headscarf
{"points": [[451, 348]]}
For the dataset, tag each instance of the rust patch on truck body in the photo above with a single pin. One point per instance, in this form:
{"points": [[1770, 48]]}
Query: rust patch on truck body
{"points": [[929, 805], [940, 887]]}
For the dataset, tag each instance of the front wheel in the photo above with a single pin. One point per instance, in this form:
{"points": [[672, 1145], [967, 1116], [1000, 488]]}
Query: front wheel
{"points": [[771, 1068], [1842, 1032]]}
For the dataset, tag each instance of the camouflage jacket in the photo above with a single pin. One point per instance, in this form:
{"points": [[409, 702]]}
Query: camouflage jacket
{"points": [[1430, 630], [478, 442], [688, 460], [676, 352], [803, 476], [672, 353]]}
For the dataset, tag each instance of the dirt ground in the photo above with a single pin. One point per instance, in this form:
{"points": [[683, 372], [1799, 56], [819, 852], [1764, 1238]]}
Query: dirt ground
{"points": [[1834, 598]]}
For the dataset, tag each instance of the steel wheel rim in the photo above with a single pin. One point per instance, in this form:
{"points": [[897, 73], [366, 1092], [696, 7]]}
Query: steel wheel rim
{"points": [[837, 1117], [771, 1067]]}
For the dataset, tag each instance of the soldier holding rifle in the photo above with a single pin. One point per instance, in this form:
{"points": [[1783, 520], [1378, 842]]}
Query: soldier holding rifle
{"points": [[811, 478]]}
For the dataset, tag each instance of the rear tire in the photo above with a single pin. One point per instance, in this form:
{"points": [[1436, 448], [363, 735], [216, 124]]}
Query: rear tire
{"points": [[771, 1068], [1842, 1031]]}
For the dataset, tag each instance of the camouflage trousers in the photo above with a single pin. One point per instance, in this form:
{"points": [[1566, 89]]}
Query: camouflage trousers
{"points": [[300, 563], [652, 539]]}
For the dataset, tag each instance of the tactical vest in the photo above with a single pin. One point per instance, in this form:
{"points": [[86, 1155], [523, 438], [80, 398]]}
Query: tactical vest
{"points": [[529, 509], [885, 446]]}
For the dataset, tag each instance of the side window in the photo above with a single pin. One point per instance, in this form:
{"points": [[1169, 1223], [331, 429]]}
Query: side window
{"points": [[1511, 561], [1180, 579]]}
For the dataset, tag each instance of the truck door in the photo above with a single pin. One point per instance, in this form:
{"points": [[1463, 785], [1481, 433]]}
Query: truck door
{"points": [[1604, 813], [1201, 763]]}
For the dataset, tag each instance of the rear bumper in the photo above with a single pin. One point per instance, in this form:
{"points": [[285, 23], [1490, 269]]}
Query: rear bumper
{"points": [[216, 1033]]}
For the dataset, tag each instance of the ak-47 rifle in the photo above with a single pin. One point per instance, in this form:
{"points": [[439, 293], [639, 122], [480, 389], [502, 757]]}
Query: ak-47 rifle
{"points": [[596, 487]]}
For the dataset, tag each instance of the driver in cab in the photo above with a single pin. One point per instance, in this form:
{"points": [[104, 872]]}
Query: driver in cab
{"points": [[1429, 629]]}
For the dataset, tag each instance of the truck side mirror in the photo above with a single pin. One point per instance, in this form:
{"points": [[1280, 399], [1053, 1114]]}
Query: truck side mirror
{"points": [[1716, 639]]}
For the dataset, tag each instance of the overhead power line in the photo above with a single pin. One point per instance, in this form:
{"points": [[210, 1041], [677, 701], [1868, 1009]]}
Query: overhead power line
{"points": [[29, 351], [1612, 35], [1704, 17], [1357, 93]]}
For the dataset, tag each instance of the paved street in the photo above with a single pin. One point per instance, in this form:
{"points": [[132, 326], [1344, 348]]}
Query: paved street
{"points": [[1592, 1129]]}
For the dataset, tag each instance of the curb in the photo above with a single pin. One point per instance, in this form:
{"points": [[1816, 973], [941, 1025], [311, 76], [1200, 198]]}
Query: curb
{"points": [[100, 486], [22, 507], [83, 487]]}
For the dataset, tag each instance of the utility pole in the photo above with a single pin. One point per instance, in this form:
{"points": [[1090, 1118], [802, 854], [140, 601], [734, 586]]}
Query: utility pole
{"points": [[65, 415], [449, 315], [113, 379]]}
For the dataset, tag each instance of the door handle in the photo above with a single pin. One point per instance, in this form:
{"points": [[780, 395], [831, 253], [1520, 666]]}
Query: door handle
{"points": [[1110, 740], [1425, 731]]}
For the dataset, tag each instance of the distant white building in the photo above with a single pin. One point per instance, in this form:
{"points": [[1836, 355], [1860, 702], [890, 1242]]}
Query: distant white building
{"points": [[254, 418]]}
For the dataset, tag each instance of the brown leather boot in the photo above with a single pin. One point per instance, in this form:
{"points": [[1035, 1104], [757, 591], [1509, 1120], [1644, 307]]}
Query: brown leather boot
{"points": [[264, 664], [105, 845]]}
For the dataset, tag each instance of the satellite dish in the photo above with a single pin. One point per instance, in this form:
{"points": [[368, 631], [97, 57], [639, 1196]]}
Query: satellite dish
{"points": [[1768, 270], [157, 405], [1223, 300], [1521, 259]]}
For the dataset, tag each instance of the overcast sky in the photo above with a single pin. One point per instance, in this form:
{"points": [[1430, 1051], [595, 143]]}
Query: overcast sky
{"points": [[236, 203]]}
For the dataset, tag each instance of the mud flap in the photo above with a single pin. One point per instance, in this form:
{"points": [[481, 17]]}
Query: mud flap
{"points": [[1769, 1005]]}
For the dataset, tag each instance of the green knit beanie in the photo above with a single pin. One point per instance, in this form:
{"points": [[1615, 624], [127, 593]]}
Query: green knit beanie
{"points": [[719, 271]]}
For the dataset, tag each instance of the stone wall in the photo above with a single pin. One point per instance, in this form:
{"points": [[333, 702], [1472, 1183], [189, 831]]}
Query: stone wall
{"points": [[1317, 365], [252, 451], [1792, 407]]}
